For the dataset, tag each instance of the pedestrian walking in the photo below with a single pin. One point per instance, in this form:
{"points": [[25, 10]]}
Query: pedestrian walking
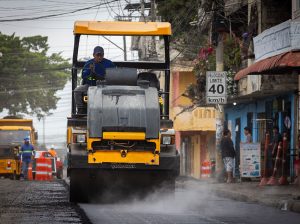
{"points": [[247, 133], [27, 152], [228, 154]]}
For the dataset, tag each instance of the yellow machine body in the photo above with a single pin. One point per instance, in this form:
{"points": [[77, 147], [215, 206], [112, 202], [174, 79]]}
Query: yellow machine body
{"points": [[123, 155]]}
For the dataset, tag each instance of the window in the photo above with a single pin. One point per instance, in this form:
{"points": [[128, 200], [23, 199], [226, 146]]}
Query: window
{"points": [[261, 126], [13, 136]]}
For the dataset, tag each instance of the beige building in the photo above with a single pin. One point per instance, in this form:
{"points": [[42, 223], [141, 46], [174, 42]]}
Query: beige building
{"points": [[195, 126]]}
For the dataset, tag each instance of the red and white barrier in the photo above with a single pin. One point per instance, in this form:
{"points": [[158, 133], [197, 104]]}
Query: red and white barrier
{"points": [[43, 169]]}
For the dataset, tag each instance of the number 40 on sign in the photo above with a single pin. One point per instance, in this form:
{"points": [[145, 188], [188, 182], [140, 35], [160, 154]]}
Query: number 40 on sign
{"points": [[216, 87]]}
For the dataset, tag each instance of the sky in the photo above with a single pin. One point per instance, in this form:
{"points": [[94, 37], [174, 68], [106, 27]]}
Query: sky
{"points": [[59, 30]]}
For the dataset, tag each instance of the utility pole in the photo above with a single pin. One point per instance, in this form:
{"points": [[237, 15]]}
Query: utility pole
{"points": [[153, 11], [153, 53], [44, 118], [125, 48], [143, 9], [220, 108]]}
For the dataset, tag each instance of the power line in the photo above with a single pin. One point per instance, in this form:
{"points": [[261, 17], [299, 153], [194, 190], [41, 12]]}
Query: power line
{"points": [[53, 15]]}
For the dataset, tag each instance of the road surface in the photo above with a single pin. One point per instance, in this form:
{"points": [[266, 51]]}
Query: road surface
{"points": [[47, 202], [31, 202], [190, 205]]}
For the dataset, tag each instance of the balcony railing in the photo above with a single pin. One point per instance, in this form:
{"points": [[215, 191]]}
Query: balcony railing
{"points": [[200, 119]]}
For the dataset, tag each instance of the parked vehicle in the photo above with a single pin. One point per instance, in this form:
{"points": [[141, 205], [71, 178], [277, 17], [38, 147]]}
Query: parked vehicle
{"points": [[13, 130], [9, 162]]}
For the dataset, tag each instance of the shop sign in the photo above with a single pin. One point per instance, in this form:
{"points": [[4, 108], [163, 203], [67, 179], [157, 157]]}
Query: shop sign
{"points": [[216, 87], [250, 160]]}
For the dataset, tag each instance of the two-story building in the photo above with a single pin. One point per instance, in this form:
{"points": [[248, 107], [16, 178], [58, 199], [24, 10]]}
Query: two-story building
{"points": [[268, 93], [195, 126]]}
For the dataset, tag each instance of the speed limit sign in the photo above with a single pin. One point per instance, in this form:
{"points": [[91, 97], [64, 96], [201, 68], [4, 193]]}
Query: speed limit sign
{"points": [[216, 87]]}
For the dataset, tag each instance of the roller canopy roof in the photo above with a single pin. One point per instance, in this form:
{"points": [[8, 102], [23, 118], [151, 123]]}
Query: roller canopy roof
{"points": [[122, 28]]}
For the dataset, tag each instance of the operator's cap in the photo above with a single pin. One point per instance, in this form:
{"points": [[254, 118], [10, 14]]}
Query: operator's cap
{"points": [[26, 139], [98, 50]]}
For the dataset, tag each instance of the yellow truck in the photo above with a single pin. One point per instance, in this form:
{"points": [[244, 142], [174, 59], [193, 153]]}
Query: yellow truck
{"points": [[12, 133]]}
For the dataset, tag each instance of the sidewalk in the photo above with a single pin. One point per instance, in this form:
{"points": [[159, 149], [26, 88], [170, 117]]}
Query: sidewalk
{"points": [[281, 197]]}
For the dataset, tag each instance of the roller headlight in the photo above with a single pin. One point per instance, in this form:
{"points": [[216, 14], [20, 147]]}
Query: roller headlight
{"points": [[79, 138], [168, 139]]}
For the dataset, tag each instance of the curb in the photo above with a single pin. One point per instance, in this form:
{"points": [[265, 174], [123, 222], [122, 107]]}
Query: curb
{"points": [[285, 205], [289, 204]]}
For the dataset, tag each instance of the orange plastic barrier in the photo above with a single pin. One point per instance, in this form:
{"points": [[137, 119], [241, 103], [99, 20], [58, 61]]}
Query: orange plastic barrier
{"points": [[50, 177], [43, 169], [205, 169]]}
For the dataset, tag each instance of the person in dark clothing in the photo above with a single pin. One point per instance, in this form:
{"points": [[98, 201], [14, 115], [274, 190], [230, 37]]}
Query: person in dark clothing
{"points": [[92, 71], [275, 141], [272, 150], [228, 154]]}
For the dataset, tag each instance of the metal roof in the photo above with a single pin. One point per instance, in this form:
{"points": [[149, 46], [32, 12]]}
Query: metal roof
{"points": [[122, 28], [281, 63], [136, 6]]}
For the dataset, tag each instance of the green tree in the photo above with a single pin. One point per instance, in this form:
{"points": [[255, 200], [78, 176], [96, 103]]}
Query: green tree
{"points": [[232, 61], [29, 78], [185, 37]]}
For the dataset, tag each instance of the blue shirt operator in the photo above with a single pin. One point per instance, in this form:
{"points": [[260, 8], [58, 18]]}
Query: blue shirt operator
{"points": [[94, 69]]}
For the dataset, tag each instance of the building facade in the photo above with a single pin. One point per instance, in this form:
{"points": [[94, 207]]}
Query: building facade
{"points": [[195, 127], [268, 86]]}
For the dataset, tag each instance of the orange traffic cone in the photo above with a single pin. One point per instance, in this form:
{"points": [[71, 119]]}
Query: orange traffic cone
{"points": [[29, 174]]}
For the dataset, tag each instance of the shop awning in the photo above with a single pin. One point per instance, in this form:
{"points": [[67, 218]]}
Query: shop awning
{"points": [[279, 64]]}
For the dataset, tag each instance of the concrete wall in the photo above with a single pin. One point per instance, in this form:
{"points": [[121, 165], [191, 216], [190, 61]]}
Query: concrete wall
{"points": [[295, 10], [180, 80], [198, 119]]}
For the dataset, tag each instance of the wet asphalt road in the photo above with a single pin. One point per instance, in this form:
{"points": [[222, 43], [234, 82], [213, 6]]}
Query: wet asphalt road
{"points": [[47, 202], [188, 206], [37, 202]]}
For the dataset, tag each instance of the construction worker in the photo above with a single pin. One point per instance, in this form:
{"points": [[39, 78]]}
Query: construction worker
{"points": [[52, 151], [27, 153], [92, 71]]}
